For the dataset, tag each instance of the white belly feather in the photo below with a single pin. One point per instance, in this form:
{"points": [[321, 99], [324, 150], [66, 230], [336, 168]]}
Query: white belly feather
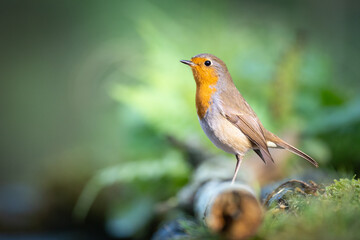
{"points": [[223, 133]]}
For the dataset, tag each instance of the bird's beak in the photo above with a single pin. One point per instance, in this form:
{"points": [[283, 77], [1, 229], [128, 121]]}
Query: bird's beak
{"points": [[187, 62]]}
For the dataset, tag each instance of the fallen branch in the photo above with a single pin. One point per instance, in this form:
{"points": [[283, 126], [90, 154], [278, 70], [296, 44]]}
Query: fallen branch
{"points": [[230, 210]]}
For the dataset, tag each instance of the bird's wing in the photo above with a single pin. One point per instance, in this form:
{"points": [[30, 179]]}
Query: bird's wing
{"points": [[257, 151], [249, 125]]}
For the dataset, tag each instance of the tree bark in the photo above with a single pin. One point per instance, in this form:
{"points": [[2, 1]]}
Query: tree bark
{"points": [[230, 210]]}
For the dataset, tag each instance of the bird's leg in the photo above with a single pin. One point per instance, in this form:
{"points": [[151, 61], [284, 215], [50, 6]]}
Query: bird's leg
{"points": [[238, 162]]}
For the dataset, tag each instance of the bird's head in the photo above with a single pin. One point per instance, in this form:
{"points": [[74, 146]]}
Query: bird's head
{"points": [[207, 68]]}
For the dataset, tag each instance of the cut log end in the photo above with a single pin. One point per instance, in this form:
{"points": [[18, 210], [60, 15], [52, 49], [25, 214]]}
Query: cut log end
{"points": [[235, 214]]}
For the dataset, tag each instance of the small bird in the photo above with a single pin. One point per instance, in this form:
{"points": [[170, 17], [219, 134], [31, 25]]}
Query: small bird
{"points": [[226, 118]]}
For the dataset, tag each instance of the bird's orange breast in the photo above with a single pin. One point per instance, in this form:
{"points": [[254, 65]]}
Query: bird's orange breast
{"points": [[203, 99], [206, 80]]}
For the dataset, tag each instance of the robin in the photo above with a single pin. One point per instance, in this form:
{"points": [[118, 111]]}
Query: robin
{"points": [[226, 118]]}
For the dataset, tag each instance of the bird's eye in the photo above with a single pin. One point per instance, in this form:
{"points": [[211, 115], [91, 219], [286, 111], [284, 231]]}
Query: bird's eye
{"points": [[207, 63]]}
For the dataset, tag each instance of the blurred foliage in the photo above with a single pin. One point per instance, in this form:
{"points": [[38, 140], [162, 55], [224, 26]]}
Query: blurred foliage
{"points": [[145, 176], [194, 230]]}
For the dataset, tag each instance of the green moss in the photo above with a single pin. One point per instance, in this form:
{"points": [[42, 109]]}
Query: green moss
{"points": [[332, 214], [335, 214], [344, 191]]}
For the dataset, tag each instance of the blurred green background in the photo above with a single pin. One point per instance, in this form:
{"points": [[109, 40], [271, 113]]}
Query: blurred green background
{"points": [[90, 90]]}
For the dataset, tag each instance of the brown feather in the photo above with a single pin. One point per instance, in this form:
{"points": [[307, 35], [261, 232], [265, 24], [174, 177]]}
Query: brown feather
{"points": [[281, 143], [250, 127], [296, 151], [257, 151]]}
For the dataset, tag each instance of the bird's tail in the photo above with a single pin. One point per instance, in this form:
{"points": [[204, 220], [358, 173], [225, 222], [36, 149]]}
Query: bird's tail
{"points": [[281, 143]]}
